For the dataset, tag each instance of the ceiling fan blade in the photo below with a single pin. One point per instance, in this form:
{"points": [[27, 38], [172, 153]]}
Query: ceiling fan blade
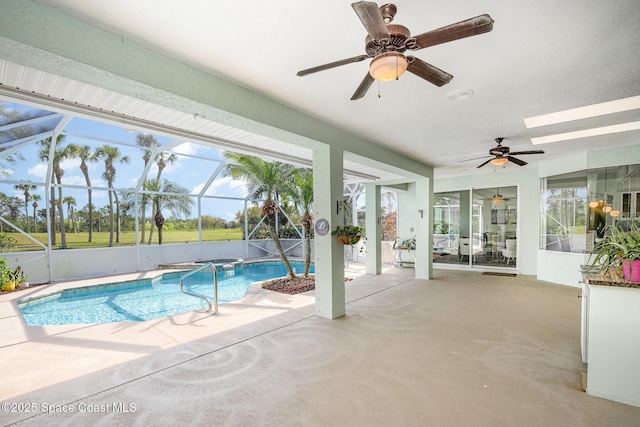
{"points": [[516, 161], [428, 72], [371, 18], [475, 158], [363, 88], [332, 65], [459, 30], [484, 163], [518, 153]]}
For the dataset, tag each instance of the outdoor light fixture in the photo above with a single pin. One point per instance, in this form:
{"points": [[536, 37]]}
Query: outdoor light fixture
{"points": [[499, 161], [388, 66], [602, 201]]}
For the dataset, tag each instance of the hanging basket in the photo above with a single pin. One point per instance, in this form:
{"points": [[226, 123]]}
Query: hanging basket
{"points": [[348, 239]]}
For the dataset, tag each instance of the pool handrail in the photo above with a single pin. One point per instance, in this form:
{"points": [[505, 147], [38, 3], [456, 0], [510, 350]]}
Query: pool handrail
{"points": [[215, 285]]}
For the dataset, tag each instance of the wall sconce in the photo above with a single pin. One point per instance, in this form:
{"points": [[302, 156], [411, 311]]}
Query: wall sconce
{"points": [[421, 212]]}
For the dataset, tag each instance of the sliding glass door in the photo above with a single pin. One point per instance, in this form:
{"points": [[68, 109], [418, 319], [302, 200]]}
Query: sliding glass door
{"points": [[495, 226], [446, 227], [477, 227]]}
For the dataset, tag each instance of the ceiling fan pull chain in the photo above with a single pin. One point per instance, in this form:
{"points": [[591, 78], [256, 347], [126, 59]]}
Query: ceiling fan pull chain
{"points": [[379, 89]]}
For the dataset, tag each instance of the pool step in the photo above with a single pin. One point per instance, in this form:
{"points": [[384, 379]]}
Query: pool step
{"points": [[226, 265]]}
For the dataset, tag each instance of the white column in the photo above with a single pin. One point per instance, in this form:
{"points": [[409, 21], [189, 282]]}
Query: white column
{"points": [[424, 229], [373, 229], [329, 253]]}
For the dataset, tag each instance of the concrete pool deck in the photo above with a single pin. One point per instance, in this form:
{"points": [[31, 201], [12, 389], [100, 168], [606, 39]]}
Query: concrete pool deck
{"points": [[459, 350], [46, 355]]}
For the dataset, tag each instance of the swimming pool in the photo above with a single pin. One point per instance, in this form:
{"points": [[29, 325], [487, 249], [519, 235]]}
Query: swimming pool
{"points": [[146, 299]]}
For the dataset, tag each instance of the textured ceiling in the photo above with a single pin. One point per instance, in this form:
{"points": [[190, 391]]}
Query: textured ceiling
{"points": [[541, 57]]}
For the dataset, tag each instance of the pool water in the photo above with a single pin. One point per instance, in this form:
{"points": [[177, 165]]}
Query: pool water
{"points": [[147, 299]]}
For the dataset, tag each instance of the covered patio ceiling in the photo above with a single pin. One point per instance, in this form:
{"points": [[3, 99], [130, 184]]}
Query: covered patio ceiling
{"points": [[538, 59]]}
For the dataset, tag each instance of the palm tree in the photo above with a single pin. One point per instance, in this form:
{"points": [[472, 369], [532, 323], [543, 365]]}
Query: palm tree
{"points": [[302, 194], [35, 198], [60, 154], [111, 155], [168, 195], [147, 142], [13, 205], [271, 178], [12, 115], [71, 203], [26, 188], [86, 155], [161, 160]]}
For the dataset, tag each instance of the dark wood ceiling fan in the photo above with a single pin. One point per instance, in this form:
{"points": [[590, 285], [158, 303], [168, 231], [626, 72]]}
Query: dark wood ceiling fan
{"points": [[501, 154], [386, 44]]}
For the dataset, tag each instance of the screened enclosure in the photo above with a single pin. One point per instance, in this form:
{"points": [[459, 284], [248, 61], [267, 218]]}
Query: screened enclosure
{"points": [[69, 182]]}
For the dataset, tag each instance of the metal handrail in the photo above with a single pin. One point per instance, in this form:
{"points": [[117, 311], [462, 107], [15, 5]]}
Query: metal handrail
{"points": [[215, 286]]}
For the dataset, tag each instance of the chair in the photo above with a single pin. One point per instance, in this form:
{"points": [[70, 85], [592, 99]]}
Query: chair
{"points": [[509, 253], [466, 249]]}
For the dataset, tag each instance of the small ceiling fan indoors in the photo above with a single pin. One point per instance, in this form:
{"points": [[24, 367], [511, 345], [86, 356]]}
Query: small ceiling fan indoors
{"points": [[501, 155], [386, 44]]}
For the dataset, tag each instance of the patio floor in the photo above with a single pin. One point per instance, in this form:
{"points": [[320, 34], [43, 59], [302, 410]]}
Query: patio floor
{"points": [[461, 349]]}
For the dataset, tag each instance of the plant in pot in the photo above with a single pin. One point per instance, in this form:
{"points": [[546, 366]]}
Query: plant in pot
{"points": [[20, 277], [617, 254], [7, 276], [407, 244], [348, 234]]}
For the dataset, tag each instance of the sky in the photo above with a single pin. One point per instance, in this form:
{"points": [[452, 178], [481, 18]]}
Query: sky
{"points": [[192, 170]]}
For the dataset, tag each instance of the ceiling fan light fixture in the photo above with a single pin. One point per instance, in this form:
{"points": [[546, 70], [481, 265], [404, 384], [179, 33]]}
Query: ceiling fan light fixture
{"points": [[594, 204], [499, 161], [388, 66], [615, 213], [497, 199], [607, 208]]}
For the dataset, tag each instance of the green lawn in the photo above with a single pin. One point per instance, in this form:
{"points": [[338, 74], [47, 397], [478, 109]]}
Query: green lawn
{"points": [[101, 239]]}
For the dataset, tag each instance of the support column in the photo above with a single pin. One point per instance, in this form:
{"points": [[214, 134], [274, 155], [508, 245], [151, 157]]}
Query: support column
{"points": [[424, 229], [329, 253], [373, 213]]}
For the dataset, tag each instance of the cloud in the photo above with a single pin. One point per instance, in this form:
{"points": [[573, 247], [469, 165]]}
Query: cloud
{"points": [[39, 170], [186, 148], [225, 186]]}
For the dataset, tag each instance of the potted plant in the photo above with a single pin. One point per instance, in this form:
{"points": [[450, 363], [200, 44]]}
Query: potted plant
{"points": [[20, 277], [617, 252], [407, 244], [348, 234], [7, 276]]}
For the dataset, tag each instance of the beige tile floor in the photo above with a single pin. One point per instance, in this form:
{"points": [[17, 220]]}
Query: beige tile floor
{"points": [[461, 349]]}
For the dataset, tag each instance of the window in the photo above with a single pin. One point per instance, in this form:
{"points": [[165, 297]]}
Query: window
{"points": [[577, 207]]}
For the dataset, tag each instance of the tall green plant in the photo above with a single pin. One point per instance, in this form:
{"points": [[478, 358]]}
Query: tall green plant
{"points": [[85, 154], [617, 245], [57, 153], [265, 178], [167, 195], [111, 155], [302, 194], [26, 188]]}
